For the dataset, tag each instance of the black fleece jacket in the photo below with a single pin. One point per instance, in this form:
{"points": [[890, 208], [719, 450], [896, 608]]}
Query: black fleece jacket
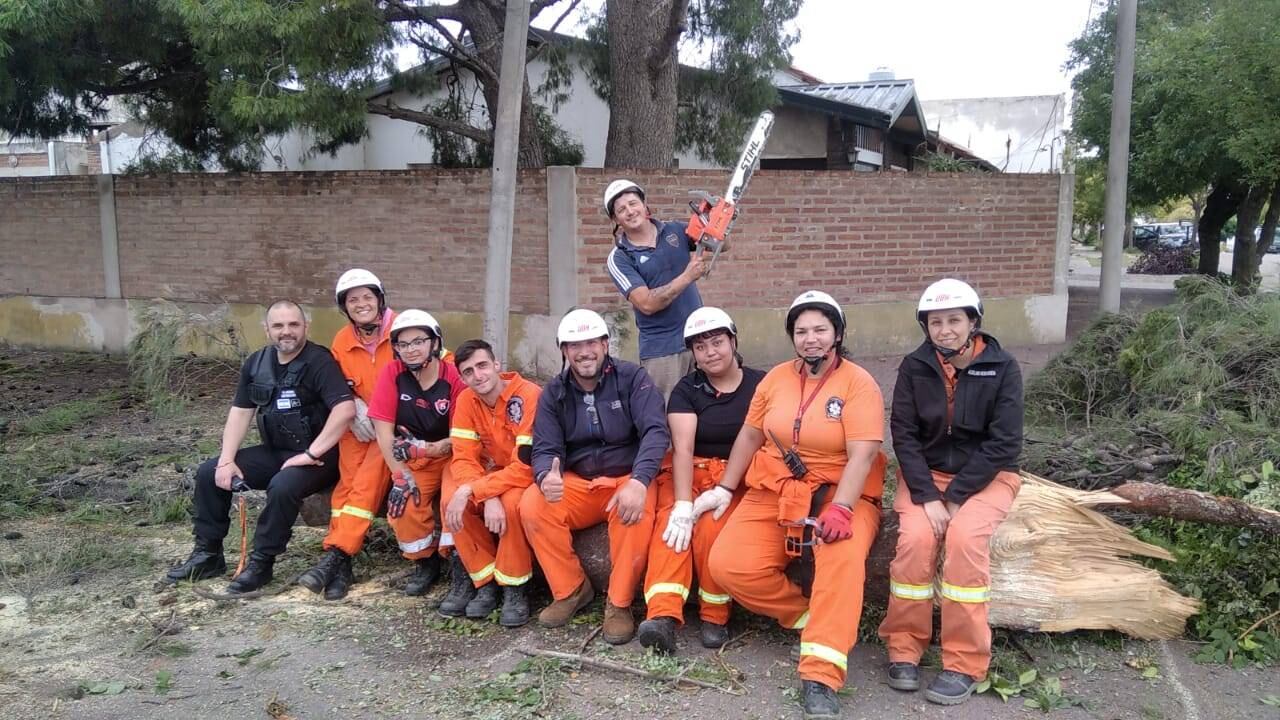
{"points": [[985, 433]]}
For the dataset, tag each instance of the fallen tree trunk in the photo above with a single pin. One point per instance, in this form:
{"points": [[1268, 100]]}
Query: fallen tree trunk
{"points": [[1147, 498], [1056, 564]]}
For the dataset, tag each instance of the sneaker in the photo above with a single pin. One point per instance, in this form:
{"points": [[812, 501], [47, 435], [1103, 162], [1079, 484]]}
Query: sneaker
{"points": [[256, 574], [485, 601], [461, 590], [318, 578], [342, 580], [205, 561], [515, 606], [658, 633], [425, 572], [904, 676], [820, 701], [950, 688], [713, 635], [558, 613], [619, 625]]}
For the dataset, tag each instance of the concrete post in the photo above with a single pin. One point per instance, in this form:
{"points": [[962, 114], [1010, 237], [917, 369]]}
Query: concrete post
{"points": [[502, 200], [110, 238], [563, 244], [1114, 214], [1062, 254]]}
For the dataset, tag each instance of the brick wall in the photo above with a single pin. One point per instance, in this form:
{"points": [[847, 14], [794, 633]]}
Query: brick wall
{"points": [[251, 237], [246, 238], [50, 240], [863, 237]]}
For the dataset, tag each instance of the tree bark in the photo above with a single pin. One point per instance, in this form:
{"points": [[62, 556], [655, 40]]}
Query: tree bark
{"points": [[1242, 260], [1268, 228], [1219, 206], [643, 71], [1179, 504], [1197, 210]]}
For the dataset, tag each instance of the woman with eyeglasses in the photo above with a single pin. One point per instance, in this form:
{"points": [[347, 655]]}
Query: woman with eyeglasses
{"points": [[810, 454], [411, 407]]}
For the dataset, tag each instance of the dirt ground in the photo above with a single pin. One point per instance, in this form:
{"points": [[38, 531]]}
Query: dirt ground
{"points": [[83, 633]]}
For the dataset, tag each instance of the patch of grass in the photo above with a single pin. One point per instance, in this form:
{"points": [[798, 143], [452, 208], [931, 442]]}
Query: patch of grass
{"points": [[671, 667], [64, 561], [461, 627], [67, 416], [525, 692]]}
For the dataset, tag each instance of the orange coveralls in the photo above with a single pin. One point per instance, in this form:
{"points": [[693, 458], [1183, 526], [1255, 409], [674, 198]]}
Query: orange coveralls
{"points": [[965, 585], [487, 446], [363, 480], [670, 575], [750, 557]]}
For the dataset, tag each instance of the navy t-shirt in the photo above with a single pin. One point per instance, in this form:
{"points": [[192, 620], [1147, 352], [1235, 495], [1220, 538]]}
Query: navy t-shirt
{"points": [[720, 415], [661, 333]]}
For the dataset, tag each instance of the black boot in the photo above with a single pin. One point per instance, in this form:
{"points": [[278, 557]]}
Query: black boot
{"points": [[425, 572], [904, 676], [820, 701], [318, 578], [515, 606], [256, 574], [485, 601], [461, 590], [343, 579], [714, 635], [658, 633], [205, 561], [950, 688]]}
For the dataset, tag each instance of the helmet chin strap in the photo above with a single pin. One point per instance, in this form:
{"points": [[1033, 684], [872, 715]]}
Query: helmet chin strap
{"points": [[815, 362], [948, 353]]}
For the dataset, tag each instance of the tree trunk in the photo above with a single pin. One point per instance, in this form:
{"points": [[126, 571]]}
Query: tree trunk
{"points": [[1219, 206], [1170, 502], [1268, 228], [1242, 261], [1197, 210], [643, 71], [485, 22]]}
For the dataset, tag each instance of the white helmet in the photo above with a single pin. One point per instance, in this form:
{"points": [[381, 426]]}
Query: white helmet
{"points": [[354, 278], [706, 319], [815, 300], [616, 188], [581, 324], [419, 319], [949, 294]]}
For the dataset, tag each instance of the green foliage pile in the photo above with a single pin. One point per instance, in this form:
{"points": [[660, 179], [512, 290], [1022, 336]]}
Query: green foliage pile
{"points": [[1201, 377], [162, 366]]}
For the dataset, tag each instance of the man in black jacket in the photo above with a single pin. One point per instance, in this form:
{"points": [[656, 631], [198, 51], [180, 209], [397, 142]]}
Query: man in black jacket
{"points": [[302, 405], [598, 442], [957, 433]]}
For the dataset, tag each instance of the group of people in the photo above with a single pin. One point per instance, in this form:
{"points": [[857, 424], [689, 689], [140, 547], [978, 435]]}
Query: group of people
{"points": [[765, 487]]}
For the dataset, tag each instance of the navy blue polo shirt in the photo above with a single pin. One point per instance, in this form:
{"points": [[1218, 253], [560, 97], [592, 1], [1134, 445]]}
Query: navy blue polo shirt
{"points": [[661, 333]]}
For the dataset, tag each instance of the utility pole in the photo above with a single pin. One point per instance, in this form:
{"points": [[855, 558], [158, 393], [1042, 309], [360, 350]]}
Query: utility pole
{"points": [[1113, 216], [502, 198]]}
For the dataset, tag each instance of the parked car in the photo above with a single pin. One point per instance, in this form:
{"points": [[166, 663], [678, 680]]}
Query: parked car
{"points": [[1273, 246], [1169, 235]]}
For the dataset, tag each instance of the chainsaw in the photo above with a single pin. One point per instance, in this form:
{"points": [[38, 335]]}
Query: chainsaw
{"points": [[713, 216]]}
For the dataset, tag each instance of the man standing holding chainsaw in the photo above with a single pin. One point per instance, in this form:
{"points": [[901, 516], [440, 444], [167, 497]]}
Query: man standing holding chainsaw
{"points": [[654, 265]]}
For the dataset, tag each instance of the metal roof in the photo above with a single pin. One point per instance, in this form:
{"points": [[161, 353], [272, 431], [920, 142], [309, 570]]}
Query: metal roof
{"points": [[885, 98]]}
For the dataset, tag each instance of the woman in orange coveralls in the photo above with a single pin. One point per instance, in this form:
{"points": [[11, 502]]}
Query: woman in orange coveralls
{"points": [[810, 455], [957, 432]]}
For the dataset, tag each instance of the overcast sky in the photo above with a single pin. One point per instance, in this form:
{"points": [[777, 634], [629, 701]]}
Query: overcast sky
{"points": [[951, 48]]}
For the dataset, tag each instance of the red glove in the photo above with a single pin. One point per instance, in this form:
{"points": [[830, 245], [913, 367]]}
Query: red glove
{"points": [[833, 523]]}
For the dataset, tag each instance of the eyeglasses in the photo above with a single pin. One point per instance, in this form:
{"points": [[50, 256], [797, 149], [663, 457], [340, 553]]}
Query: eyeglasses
{"points": [[411, 343]]}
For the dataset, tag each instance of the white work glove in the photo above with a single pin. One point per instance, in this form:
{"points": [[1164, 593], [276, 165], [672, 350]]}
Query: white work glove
{"points": [[679, 527], [361, 425], [716, 500]]}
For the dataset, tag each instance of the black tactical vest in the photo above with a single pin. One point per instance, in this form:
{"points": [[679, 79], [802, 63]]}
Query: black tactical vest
{"points": [[289, 415]]}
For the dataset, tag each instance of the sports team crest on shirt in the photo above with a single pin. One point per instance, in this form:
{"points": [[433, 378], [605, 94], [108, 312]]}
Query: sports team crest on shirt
{"points": [[515, 410], [835, 407], [442, 406]]}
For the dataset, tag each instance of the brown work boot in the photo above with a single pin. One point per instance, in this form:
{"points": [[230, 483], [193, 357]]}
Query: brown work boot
{"points": [[619, 625], [558, 613]]}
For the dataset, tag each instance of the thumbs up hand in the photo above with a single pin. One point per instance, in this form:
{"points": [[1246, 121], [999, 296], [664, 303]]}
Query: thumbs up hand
{"points": [[553, 482]]}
